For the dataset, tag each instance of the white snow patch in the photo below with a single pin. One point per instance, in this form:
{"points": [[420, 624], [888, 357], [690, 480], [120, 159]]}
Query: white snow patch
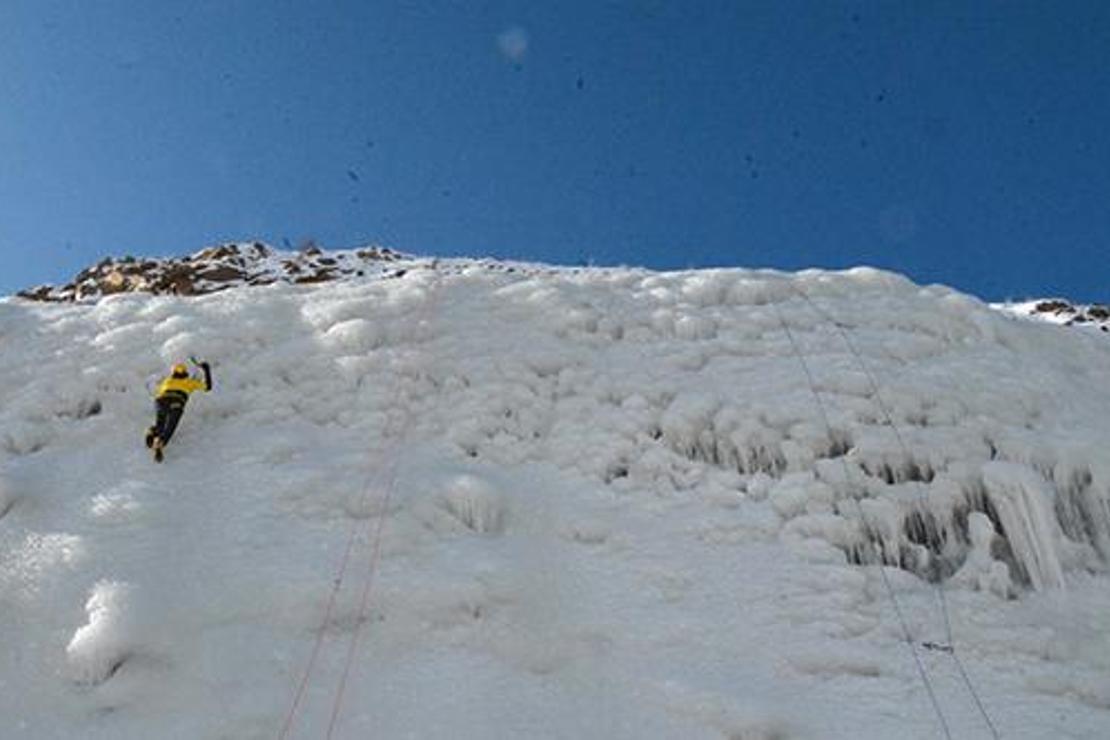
{"points": [[587, 531], [99, 648], [789, 499], [120, 504], [981, 570], [732, 719]]}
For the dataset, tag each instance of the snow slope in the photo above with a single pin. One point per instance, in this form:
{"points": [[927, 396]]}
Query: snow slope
{"points": [[495, 501]]}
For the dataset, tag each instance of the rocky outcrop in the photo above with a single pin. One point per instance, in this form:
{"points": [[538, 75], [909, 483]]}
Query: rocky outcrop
{"points": [[1070, 314], [215, 269]]}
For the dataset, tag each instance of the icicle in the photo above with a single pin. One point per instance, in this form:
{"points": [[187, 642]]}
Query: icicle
{"points": [[1084, 501], [1024, 508]]}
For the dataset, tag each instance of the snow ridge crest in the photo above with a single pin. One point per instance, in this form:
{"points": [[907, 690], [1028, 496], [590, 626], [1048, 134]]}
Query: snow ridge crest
{"points": [[215, 269]]}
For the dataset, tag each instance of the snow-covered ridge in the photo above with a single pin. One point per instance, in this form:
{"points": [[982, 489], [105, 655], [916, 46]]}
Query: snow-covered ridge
{"points": [[215, 269], [1062, 312], [612, 503], [246, 264]]}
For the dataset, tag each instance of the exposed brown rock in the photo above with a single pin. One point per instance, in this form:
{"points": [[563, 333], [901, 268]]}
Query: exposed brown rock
{"points": [[39, 293], [1098, 314], [317, 277], [216, 253], [1054, 306], [215, 268], [219, 273], [113, 282]]}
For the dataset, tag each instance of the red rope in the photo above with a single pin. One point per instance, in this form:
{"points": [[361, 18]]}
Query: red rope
{"points": [[371, 571], [338, 581], [364, 603], [428, 310]]}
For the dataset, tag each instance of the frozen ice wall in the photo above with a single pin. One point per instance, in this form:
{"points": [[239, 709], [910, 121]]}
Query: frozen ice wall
{"points": [[616, 434]]}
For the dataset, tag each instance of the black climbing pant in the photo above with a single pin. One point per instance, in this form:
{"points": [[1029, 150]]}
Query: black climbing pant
{"points": [[168, 411]]}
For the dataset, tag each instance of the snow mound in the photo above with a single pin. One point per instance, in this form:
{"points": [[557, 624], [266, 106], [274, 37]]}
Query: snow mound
{"points": [[100, 647], [981, 570], [466, 502]]}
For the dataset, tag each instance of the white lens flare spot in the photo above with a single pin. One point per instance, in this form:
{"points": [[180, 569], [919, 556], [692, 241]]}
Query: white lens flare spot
{"points": [[513, 43]]}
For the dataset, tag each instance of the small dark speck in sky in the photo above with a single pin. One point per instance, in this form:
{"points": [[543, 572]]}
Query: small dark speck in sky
{"points": [[353, 175], [755, 174], [581, 83], [370, 144], [880, 97]]}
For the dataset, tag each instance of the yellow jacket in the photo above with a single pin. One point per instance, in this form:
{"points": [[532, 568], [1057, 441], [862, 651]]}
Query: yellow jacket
{"points": [[182, 387]]}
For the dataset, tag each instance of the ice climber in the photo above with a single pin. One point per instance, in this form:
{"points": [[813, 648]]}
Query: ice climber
{"points": [[169, 403]]}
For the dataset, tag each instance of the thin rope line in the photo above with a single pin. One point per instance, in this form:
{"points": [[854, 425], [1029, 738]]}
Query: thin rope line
{"points": [[336, 583], [365, 600], [908, 637], [426, 313], [889, 418]]}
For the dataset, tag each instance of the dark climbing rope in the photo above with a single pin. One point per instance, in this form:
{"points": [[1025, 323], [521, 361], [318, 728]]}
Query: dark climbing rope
{"points": [[906, 634], [950, 647]]}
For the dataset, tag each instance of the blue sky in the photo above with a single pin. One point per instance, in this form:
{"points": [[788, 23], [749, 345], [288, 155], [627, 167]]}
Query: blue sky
{"points": [[963, 143]]}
